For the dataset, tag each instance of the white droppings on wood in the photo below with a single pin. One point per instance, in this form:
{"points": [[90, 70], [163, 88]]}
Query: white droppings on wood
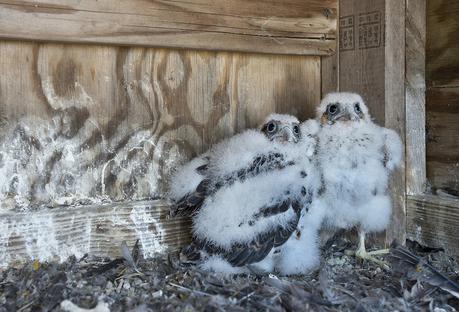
{"points": [[5, 233], [38, 233], [148, 230], [418, 233], [42, 166], [57, 234], [80, 99]]}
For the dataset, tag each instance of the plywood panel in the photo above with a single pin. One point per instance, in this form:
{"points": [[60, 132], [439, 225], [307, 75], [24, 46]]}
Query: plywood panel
{"points": [[89, 124], [290, 27]]}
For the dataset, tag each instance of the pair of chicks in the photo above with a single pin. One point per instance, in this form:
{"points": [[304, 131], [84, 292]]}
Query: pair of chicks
{"points": [[259, 198]]}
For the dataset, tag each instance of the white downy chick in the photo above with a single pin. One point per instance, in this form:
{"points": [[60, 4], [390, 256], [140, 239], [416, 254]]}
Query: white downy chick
{"points": [[301, 252], [276, 127], [251, 198], [356, 157]]}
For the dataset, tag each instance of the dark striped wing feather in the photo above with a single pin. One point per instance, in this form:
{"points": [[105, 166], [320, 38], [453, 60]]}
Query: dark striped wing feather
{"points": [[192, 202], [259, 248]]}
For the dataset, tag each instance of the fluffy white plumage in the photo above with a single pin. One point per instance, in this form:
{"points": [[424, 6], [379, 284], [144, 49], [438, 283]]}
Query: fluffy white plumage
{"points": [[283, 118], [187, 177], [250, 200], [356, 157], [301, 252]]}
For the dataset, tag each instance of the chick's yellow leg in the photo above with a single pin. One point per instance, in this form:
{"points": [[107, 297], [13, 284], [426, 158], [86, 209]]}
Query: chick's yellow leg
{"points": [[363, 254]]}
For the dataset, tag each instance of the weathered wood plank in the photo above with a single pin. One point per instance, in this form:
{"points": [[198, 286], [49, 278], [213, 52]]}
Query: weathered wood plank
{"points": [[442, 107], [433, 220], [443, 176], [442, 43], [361, 52], [395, 108], [415, 88], [330, 69], [329, 74], [86, 124], [99, 230], [288, 27], [443, 139]]}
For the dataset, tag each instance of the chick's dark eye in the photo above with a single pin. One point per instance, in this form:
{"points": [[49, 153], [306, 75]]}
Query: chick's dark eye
{"points": [[296, 129], [332, 109], [357, 108], [271, 127]]}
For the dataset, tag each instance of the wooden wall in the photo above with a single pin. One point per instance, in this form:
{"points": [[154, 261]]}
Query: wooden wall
{"points": [[432, 117], [442, 103], [101, 100], [287, 27], [87, 123], [362, 52]]}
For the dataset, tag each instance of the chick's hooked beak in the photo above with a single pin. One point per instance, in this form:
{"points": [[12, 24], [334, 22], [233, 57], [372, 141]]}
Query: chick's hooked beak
{"points": [[286, 135], [344, 114]]}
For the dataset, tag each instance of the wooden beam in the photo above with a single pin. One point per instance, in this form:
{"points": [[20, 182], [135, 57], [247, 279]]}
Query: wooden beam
{"points": [[287, 27], [395, 107], [361, 52], [415, 88], [432, 220], [98, 230]]}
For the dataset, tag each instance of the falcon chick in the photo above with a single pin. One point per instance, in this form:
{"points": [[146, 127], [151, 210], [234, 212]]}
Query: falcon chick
{"points": [[251, 197], [356, 157], [276, 127]]}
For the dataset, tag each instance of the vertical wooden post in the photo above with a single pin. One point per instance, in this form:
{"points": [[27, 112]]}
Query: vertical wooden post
{"points": [[415, 90], [395, 107]]}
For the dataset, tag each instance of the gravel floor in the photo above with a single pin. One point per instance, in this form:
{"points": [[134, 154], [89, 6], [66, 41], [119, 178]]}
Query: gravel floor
{"points": [[166, 284]]}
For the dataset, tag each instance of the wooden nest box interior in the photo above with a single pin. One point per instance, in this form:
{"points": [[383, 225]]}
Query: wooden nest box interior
{"points": [[101, 100]]}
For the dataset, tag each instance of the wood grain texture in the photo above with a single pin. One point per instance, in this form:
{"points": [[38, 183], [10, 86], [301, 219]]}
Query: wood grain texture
{"points": [[99, 230], [443, 139], [442, 43], [287, 27], [442, 107], [329, 74], [361, 54], [415, 89], [330, 69], [395, 109], [87, 124], [433, 220]]}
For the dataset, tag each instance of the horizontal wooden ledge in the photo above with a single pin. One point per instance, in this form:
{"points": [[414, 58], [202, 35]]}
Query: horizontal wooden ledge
{"points": [[432, 220], [58, 233], [296, 27]]}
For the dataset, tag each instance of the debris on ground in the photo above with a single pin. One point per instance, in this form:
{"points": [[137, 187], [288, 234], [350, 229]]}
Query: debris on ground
{"points": [[420, 279]]}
